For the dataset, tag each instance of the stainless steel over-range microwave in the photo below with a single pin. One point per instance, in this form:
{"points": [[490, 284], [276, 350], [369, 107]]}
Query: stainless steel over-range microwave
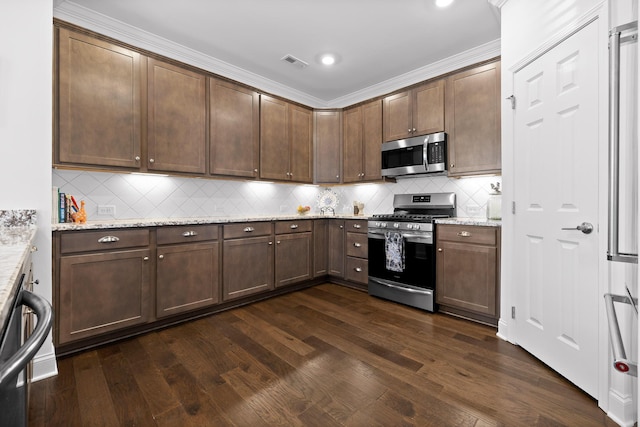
{"points": [[417, 155]]}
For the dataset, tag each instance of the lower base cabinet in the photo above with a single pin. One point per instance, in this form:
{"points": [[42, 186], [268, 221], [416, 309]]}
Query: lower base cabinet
{"points": [[467, 263], [248, 262], [102, 292], [294, 252]]}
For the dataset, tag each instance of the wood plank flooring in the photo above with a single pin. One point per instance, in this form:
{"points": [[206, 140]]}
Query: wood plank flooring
{"points": [[324, 356]]}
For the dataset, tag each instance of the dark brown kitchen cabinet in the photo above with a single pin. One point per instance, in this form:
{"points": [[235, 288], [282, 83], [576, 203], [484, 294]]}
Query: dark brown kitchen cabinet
{"points": [[415, 112], [234, 122], [285, 141], [187, 268], [473, 121], [467, 271], [294, 252], [98, 93], [248, 259], [357, 248], [362, 141], [104, 283], [336, 248], [176, 119], [328, 146], [320, 247]]}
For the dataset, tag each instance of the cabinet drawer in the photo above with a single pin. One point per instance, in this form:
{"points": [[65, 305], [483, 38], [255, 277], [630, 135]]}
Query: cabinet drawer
{"points": [[357, 270], [286, 227], [356, 225], [357, 245], [186, 234], [247, 229], [79, 241], [467, 234]]}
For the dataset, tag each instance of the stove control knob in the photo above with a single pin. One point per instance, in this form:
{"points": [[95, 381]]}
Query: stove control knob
{"points": [[383, 225], [409, 226], [396, 225], [416, 226]]}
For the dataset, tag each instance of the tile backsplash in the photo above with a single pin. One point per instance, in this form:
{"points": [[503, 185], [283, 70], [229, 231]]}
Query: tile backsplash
{"points": [[153, 196]]}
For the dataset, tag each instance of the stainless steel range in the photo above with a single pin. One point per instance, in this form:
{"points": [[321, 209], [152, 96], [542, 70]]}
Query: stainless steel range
{"points": [[402, 257]]}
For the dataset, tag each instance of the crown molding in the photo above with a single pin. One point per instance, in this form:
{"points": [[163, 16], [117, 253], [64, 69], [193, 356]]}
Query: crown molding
{"points": [[102, 24], [498, 3]]}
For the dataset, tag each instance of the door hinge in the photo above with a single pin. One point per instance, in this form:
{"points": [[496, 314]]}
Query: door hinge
{"points": [[513, 311], [513, 208], [512, 98]]}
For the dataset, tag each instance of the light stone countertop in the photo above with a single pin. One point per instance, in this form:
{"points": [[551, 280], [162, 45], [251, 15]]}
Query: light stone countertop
{"points": [[15, 249], [158, 222], [483, 222]]}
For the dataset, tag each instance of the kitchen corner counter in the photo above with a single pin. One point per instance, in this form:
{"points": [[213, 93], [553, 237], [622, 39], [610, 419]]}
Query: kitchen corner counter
{"points": [[482, 222], [159, 222], [16, 239]]}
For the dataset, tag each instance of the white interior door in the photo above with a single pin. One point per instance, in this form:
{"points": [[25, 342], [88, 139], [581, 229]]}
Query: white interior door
{"points": [[556, 187]]}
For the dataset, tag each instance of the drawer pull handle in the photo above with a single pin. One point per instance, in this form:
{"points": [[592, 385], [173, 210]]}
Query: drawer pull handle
{"points": [[145, 258], [357, 245], [464, 234], [358, 269], [108, 239], [248, 229], [161, 256], [294, 226], [357, 226], [190, 233]]}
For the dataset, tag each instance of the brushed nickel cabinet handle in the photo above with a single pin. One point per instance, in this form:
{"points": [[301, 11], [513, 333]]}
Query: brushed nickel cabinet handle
{"points": [[152, 161], [190, 233], [294, 226], [464, 234], [358, 269], [270, 243], [161, 256], [357, 245], [357, 226], [278, 242], [439, 249], [137, 158], [145, 258], [248, 229], [108, 239]]}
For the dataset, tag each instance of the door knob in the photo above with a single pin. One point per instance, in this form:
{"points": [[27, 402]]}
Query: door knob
{"points": [[585, 227]]}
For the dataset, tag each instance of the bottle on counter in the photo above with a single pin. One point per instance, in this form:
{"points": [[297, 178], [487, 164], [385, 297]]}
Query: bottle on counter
{"points": [[494, 204]]}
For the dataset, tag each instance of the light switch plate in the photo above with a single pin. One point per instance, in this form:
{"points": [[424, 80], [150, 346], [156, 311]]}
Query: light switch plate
{"points": [[107, 210]]}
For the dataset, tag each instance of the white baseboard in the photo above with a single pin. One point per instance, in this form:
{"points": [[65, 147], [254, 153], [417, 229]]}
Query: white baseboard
{"points": [[44, 366], [621, 409], [503, 330]]}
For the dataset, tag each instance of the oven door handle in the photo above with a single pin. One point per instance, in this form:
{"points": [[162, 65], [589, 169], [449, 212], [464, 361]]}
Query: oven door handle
{"points": [[412, 238], [401, 288], [375, 235], [21, 358]]}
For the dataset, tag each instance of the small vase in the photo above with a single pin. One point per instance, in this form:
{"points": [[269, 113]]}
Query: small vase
{"points": [[81, 215]]}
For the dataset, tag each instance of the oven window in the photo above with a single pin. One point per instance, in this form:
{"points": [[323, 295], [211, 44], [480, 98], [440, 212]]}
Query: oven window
{"points": [[402, 157], [420, 266]]}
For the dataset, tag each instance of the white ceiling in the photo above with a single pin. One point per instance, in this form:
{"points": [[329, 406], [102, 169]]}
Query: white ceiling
{"points": [[382, 45]]}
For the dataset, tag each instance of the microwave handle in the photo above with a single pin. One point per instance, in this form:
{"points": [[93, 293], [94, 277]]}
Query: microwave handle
{"points": [[425, 153]]}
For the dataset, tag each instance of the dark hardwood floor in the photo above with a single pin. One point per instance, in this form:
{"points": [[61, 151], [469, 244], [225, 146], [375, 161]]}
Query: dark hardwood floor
{"points": [[324, 356]]}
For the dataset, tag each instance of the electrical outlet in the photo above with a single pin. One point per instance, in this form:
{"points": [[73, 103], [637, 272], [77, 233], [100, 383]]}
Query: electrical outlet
{"points": [[107, 210]]}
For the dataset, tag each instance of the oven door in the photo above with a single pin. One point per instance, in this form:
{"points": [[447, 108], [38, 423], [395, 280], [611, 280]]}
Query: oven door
{"points": [[420, 263]]}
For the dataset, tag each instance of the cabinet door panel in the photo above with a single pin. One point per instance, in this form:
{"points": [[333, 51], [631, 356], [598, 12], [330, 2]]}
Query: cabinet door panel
{"points": [[176, 118], [102, 293], [327, 141], [352, 145], [187, 278], [301, 139], [293, 258], [247, 267], [98, 102], [473, 121], [372, 140], [428, 108], [357, 270], [397, 116], [466, 277], [320, 247], [336, 248], [274, 139], [234, 129]]}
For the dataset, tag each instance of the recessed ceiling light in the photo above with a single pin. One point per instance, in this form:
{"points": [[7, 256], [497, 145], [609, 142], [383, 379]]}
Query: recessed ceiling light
{"points": [[328, 59], [443, 3]]}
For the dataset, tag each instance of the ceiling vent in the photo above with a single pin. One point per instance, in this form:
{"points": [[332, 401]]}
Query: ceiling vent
{"points": [[295, 61]]}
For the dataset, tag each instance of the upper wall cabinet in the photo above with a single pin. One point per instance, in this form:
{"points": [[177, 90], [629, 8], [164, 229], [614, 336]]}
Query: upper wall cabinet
{"points": [[328, 146], [415, 112], [362, 142], [473, 121], [285, 141], [176, 125], [234, 129], [98, 103]]}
